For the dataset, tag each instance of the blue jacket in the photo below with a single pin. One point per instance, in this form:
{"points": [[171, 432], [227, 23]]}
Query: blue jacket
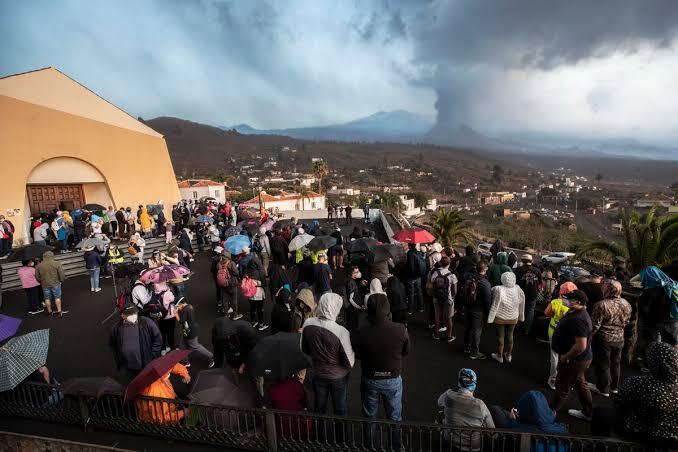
{"points": [[92, 260], [536, 416]]}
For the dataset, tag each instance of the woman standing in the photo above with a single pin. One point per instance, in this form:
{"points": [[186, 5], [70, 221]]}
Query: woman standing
{"points": [[93, 265], [508, 308], [556, 309], [146, 222], [168, 323], [31, 286]]}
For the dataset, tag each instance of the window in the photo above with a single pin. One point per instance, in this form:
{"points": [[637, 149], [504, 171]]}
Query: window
{"points": [[216, 193], [195, 195], [313, 205]]}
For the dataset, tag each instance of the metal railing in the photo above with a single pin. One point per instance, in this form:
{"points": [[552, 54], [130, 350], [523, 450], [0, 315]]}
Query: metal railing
{"points": [[274, 430]]}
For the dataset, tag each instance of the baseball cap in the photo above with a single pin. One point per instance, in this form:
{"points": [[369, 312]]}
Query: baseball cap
{"points": [[577, 295]]}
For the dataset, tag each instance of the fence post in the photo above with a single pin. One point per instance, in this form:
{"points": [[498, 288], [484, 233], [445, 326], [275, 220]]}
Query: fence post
{"points": [[271, 434], [525, 442], [84, 410]]}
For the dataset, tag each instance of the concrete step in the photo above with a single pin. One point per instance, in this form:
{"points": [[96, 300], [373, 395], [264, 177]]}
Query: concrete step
{"points": [[74, 263]]}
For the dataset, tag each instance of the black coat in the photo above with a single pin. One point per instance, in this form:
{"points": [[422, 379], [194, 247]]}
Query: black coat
{"points": [[150, 342], [395, 291]]}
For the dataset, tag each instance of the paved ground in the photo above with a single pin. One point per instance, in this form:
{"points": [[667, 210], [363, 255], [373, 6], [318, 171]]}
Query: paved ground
{"points": [[78, 348]]}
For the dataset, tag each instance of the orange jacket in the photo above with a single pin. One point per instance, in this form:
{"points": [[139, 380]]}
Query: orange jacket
{"points": [[157, 411]]}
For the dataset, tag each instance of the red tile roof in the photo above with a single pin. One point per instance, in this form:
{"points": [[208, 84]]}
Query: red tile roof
{"points": [[283, 197], [199, 183]]}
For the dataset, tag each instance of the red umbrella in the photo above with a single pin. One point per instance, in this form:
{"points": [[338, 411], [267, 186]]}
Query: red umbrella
{"points": [[414, 235], [154, 371]]}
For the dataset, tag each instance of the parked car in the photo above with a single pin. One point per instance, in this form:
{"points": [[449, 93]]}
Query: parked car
{"points": [[570, 273], [558, 258]]}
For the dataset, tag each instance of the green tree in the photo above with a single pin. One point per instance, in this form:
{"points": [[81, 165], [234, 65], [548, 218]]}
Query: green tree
{"points": [[648, 240], [320, 170], [450, 227], [420, 199]]}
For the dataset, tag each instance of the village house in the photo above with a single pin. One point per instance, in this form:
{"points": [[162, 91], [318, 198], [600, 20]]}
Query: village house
{"points": [[202, 188], [290, 201]]}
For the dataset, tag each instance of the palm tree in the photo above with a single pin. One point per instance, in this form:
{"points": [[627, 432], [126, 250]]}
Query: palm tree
{"points": [[320, 170], [450, 227], [648, 240]]}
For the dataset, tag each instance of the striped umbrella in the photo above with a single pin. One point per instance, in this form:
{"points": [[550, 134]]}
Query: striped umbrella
{"points": [[21, 356]]}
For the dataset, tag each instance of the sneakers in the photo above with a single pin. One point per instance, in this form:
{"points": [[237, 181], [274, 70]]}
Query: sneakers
{"points": [[36, 312], [614, 391], [593, 388], [60, 313], [451, 339], [237, 317], [579, 414], [210, 365], [478, 356], [436, 337], [497, 358], [230, 311], [508, 358], [263, 327], [255, 324], [442, 329], [187, 365], [98, 289], [551, 383]]}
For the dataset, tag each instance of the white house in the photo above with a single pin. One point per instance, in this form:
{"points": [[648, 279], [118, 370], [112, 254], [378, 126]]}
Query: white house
{"points": [[410, 209], [343, 191], [290, 201], [307, 181], [432, 204], [200, 188]]}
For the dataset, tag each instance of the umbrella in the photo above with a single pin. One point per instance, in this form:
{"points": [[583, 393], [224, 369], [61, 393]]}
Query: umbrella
{"points": [[224, 387], [29, 252], [96, 242], [154, 371], [277, 356], [249, 213], [8, 326], [163, 274], [236, 243], [300, 241], [268, 224], [384, 253], [231, 231], [361, 245], [93, 207], [281, 224], [251, 226], [414, 235], [21, 356], [93, 386], [321, 242], [204, 219]]}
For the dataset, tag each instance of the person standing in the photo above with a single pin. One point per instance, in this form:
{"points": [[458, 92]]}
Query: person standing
{"points": [[380, 346], [349, 210], [498, 268], [329, 346], [322, 275], [572, 341], [415, 268], [93, 266], [508, 308], [262, 246], [122, 224], [146, 222], [366, 213], [112, 223], [40, 234], [50, 274], [529, 278], [188, 326], [30, 285], [444, 289], [250, 266], [355, 288], [167, 324], [478, 300], [658, 306], [609, 317], [555, 310], [135, 342], [226, 281], [232, 342], [279, 248]]}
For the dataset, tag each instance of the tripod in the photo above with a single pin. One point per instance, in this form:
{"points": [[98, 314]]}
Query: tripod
{"points": [[116, 307]]}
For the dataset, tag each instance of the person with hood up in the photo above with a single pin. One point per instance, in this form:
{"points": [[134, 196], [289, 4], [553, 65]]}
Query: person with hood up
{"points": [[329, 346], [658, 305], [40, 234], [395, 291], [50, 274], [646, 405], [556, 309], [508, 308], [355, 286], [281, 315], [380, 346], [462, 409], [498, 268], [161, 412], [304, 308], [146, 222], [532, 415], [167, 324]]}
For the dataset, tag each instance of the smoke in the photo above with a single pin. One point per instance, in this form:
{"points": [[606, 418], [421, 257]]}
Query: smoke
{"points": [[475, 45]]}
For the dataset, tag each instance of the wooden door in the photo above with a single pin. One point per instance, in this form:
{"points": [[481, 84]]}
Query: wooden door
{"points": [[44, 198]]}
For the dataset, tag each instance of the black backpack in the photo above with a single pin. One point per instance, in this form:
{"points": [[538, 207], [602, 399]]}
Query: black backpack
{"points": [[232, 351], [471, 291], [155, 308], [421, 263], [441, 285]]}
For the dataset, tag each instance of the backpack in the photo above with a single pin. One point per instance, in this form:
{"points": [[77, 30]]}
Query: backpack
{"points": [[55, 227], [257, 246], [441, 286], [421, 265], [231, 349], [471, 291], [248, 287], [223, 274], [155, 308], [132, 250]]}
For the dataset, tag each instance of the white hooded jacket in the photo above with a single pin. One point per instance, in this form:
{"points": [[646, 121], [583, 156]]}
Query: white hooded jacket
{"points": [[508, 301]]}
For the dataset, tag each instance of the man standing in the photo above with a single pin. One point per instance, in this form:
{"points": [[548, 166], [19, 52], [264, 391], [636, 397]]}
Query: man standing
{"points": [[135, 342], [415, 267], [232, 341], [50, 275], [380, 346], [6, 237], [226, 281], [528, 278], [348, 210], [609, 318], [323, 275], [478, 300], [572, 341], [188, 326], [444, 289], [592, 286], [329, 346]]}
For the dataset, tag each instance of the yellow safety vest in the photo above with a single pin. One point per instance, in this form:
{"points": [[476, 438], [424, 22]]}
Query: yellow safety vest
{"points": [[115, 257]]}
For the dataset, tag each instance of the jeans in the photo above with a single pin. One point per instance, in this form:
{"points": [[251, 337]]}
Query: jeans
{"points": [[33, 297], [50, 292], [390, 391], [606, 363], [63, 245], [553, 363], [257, 311], [572, 374], [529, 315], [473, 329], [197, 347], [179, 291], [415, 299], [94, 277], [337, 388]]}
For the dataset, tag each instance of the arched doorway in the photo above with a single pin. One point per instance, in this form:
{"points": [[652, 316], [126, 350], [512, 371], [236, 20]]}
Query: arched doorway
{"points": [[65, 183]]}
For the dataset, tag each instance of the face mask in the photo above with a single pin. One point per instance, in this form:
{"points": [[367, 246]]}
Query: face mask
{"points": [[566, 303], [132, 318], [358, 275]]}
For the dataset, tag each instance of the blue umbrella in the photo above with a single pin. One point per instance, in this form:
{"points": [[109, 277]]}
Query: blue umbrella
{"points": [[8, 326], [205, 219], [236, 243]]}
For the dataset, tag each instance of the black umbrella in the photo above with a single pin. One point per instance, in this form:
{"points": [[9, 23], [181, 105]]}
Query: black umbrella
{"points": [[278, 356], [29, 252], [95, 387], [251, 226], [384, 252], [321, 242], [93, 207], [361, 245], [280, 224], [224, 387]]}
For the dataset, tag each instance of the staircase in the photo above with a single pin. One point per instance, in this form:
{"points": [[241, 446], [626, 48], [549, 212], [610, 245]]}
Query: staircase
{"points": [[74, 263]]}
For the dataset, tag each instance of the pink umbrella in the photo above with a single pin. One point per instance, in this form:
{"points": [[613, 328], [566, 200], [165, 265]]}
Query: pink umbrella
{"points": [[163, 274], [414, 235]]}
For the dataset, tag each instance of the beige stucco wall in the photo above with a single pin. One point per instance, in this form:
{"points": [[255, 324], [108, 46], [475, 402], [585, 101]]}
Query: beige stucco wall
{"points": [[64, 170], [136, 166]]}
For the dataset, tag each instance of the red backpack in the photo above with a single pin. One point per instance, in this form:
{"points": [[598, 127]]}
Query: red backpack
{"points": [[248, 287], [223, 274]]}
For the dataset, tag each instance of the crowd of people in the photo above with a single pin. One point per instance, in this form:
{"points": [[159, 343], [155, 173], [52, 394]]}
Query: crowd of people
{"points": [[367, 318]]}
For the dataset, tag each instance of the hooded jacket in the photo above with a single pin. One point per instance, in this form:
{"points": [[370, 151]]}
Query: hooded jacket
{"points": [[498, 268], [326, 342], [281, 315], [395, 291], [381, 345], [535, 415], [145, 219], [508, 302], [150, 342], [49, 272], [304, 308]]}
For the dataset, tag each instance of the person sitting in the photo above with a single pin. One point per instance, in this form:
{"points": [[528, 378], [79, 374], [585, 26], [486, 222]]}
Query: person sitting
{"points": [[290, 395], [162, 412], [462, 409]]}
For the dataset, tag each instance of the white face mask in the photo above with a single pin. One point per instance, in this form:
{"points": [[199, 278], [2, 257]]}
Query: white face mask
{"points": [[132, 318], [358, 275]]}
